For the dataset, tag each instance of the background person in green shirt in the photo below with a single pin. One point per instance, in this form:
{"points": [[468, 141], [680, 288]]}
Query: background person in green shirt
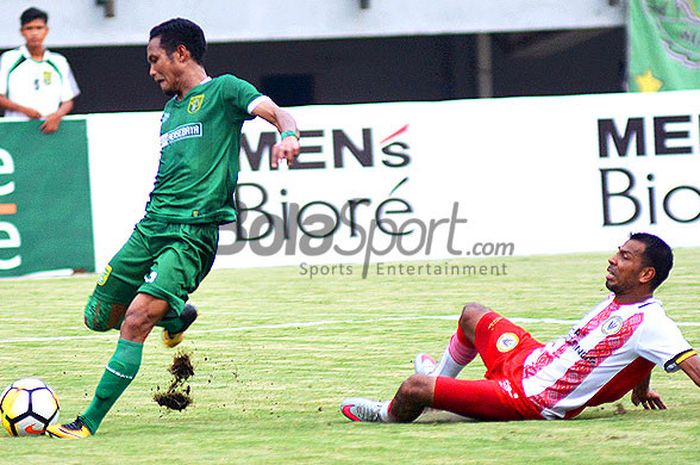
{"points": [[147, 283]]}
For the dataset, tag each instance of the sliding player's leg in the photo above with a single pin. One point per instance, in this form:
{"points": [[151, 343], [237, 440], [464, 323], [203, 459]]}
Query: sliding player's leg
{"points": [[481, 399], [460, 350]]}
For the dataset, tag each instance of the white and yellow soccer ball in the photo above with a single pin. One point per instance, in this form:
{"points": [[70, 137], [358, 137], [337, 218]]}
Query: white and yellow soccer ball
{"points": [[27, 407]]}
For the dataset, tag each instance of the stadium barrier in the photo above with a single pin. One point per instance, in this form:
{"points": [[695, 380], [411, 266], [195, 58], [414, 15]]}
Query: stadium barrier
{"points": [[45, 211], [382, 182]]}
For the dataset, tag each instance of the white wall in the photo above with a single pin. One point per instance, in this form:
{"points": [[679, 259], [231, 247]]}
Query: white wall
{"points": [[82, 22]]}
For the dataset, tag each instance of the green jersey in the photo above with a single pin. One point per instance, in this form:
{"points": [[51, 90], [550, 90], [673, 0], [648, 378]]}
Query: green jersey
{"points": [[200, 139]]}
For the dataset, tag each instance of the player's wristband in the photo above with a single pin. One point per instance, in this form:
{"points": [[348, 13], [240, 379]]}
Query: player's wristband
{"points": [[289, 133]]}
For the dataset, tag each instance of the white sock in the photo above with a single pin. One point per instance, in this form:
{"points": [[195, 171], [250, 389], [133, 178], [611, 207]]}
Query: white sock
{"points": [[384, 413], [447, 366]]}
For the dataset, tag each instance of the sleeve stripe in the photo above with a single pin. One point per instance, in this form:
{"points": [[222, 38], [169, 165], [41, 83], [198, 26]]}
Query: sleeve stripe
{"points": [[19, 61], [255, 102], [672, 365], [55, 66], [685, 356]]}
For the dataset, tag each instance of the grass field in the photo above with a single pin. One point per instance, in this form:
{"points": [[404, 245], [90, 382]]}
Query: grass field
{"points": [[276, 352]]}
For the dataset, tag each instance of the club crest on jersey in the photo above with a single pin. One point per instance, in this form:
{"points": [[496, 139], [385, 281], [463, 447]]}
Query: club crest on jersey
{"points": [[104, 276], [195, 104], [612, 325], [507, 342], [151, 277], [47, 78]]}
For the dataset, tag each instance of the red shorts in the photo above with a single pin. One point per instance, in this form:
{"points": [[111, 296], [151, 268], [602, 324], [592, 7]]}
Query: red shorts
{"points": [[503, 347]]}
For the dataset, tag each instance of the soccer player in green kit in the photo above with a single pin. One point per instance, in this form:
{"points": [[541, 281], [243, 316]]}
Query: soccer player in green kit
{"points": [[147, 283]]}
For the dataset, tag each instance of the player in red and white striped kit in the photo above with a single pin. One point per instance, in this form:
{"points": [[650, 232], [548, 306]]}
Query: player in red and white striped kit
{"points": [[610, 352]]}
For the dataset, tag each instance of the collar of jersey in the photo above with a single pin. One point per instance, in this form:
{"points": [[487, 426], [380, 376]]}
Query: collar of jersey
{"points": [[204, 81], [25, 51], [649, 299]]}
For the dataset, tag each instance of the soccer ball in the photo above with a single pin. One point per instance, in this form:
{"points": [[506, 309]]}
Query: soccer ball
{"points": [[28, 407]]}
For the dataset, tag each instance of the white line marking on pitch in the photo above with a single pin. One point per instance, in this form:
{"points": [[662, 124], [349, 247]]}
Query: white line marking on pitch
{"points": [[307, 324]]}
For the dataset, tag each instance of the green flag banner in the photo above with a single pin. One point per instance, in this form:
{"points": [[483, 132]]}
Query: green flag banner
{"points": [[664, 45], [45, 212]]}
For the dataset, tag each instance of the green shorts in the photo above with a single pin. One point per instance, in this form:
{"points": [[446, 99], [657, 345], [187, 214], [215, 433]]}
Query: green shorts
{"points": [[165, 260]]}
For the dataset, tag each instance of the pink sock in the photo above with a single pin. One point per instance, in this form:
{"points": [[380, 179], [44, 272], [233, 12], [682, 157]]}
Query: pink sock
{"points": [[461, 349], [459, 352]]}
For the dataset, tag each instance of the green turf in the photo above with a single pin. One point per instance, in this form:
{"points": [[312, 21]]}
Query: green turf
{"points": [[271, 395]]}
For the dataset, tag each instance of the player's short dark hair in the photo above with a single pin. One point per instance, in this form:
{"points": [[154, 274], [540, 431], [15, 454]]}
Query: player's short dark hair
{"points": [[180, 31], [657, 254], [30, 14]]}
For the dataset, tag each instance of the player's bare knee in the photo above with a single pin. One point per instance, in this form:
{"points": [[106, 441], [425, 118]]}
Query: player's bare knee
{"points": [[471, 314], [474, 308], [417, 388]]}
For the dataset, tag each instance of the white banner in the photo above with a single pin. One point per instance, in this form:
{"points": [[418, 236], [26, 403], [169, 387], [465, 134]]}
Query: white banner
{"points": [[82, 23], [434, 180]]}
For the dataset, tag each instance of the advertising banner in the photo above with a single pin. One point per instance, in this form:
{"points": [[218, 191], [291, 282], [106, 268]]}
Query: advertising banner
{"points": [[664, 50], [376, 183], [45, 210], [470, 179]]}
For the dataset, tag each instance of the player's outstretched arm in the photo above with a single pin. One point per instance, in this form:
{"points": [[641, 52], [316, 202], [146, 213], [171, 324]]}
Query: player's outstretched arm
{"points": [[648, 398], [288, 147], [691, 367]]}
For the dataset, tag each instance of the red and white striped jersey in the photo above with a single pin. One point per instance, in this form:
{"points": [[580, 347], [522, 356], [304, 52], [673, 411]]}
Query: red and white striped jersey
{"points": [[606, 354]]}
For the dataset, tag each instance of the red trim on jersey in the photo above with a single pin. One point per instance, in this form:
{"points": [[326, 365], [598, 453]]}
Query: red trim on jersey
{"points": [[547, 358], [579, 371], [620, 384]]}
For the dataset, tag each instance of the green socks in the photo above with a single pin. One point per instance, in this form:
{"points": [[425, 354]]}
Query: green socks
{"points": [[120, 371]]}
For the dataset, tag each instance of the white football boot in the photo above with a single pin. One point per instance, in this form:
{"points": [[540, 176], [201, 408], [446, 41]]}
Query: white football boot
{"points": [[358, 409], [424, 364]]}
